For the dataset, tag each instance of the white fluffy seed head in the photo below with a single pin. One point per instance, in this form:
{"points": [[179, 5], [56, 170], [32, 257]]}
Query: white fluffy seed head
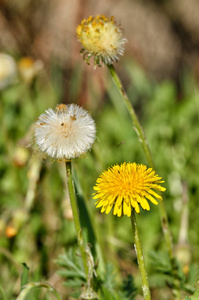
{"points": [[66, 132]]}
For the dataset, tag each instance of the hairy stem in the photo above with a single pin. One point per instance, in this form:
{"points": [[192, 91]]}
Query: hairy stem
{"points": [[140, 259]]}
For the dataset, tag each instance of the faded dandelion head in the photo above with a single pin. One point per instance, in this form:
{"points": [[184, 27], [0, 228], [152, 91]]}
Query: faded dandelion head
{"points": [[126, 186], [8, 70], [66, 132], [101, 39]]}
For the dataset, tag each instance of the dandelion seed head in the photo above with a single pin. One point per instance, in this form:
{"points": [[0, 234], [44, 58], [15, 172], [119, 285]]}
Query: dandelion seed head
{"points": [[66, 132], [101, 39], [125, 187]]}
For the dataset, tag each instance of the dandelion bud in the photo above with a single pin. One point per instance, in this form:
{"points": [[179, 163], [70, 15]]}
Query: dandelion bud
{"points": [[101, 39], [10, 231]]}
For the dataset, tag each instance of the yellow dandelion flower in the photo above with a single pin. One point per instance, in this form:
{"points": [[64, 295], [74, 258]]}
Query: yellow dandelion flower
{"points": [[126, 186], [101, 39]]}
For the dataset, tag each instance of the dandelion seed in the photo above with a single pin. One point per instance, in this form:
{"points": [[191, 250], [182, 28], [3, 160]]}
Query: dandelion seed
{"points": [[65, 133], [126, 186], [101, 39], [8, 70]]}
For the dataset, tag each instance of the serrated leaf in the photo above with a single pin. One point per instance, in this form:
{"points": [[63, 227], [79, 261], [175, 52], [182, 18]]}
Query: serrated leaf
{"points": [[160, 261], [72, 263], [109, 278], [68, 259], [68, 273], [73, 283], [72, 271]]}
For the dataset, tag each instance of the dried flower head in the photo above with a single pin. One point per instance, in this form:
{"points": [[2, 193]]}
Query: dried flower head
{"points": [[65, 133], [101, 39], [8, 70], [127, 186]]}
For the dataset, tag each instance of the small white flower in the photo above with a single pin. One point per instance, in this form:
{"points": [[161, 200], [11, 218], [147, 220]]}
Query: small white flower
{"points": [[8, 70], [65, 133]]}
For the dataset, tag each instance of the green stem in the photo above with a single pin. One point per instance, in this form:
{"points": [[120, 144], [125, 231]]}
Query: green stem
{"points": [[76, 219], [142, 138], [139, 130], [140, 258]]}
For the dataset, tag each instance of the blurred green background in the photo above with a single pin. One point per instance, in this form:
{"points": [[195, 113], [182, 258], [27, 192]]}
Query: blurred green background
{"points": [[160, 73]]}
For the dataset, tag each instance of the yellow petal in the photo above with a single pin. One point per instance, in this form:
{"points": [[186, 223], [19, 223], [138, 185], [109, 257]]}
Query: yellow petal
{"points": [[103, 209], [119, 200], [137, 208], [144, 203], [135, 205], [126, 209], [154, 194], [108, 209], [119, 211], [148, 196]]}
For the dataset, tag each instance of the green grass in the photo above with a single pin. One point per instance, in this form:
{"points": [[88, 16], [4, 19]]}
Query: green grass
{"points": [[171, 125]]}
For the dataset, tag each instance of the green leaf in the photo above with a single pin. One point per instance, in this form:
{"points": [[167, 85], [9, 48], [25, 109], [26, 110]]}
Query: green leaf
{"points": [[86, 222], [106, 294], [160, 261], [72, 264], [193, 273], [74, 283], [73, 271], [24, 275], [29, 287], [68, 273], [195, 296], [2, 293], [84, 215], [128, 287], [110, 275]]}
